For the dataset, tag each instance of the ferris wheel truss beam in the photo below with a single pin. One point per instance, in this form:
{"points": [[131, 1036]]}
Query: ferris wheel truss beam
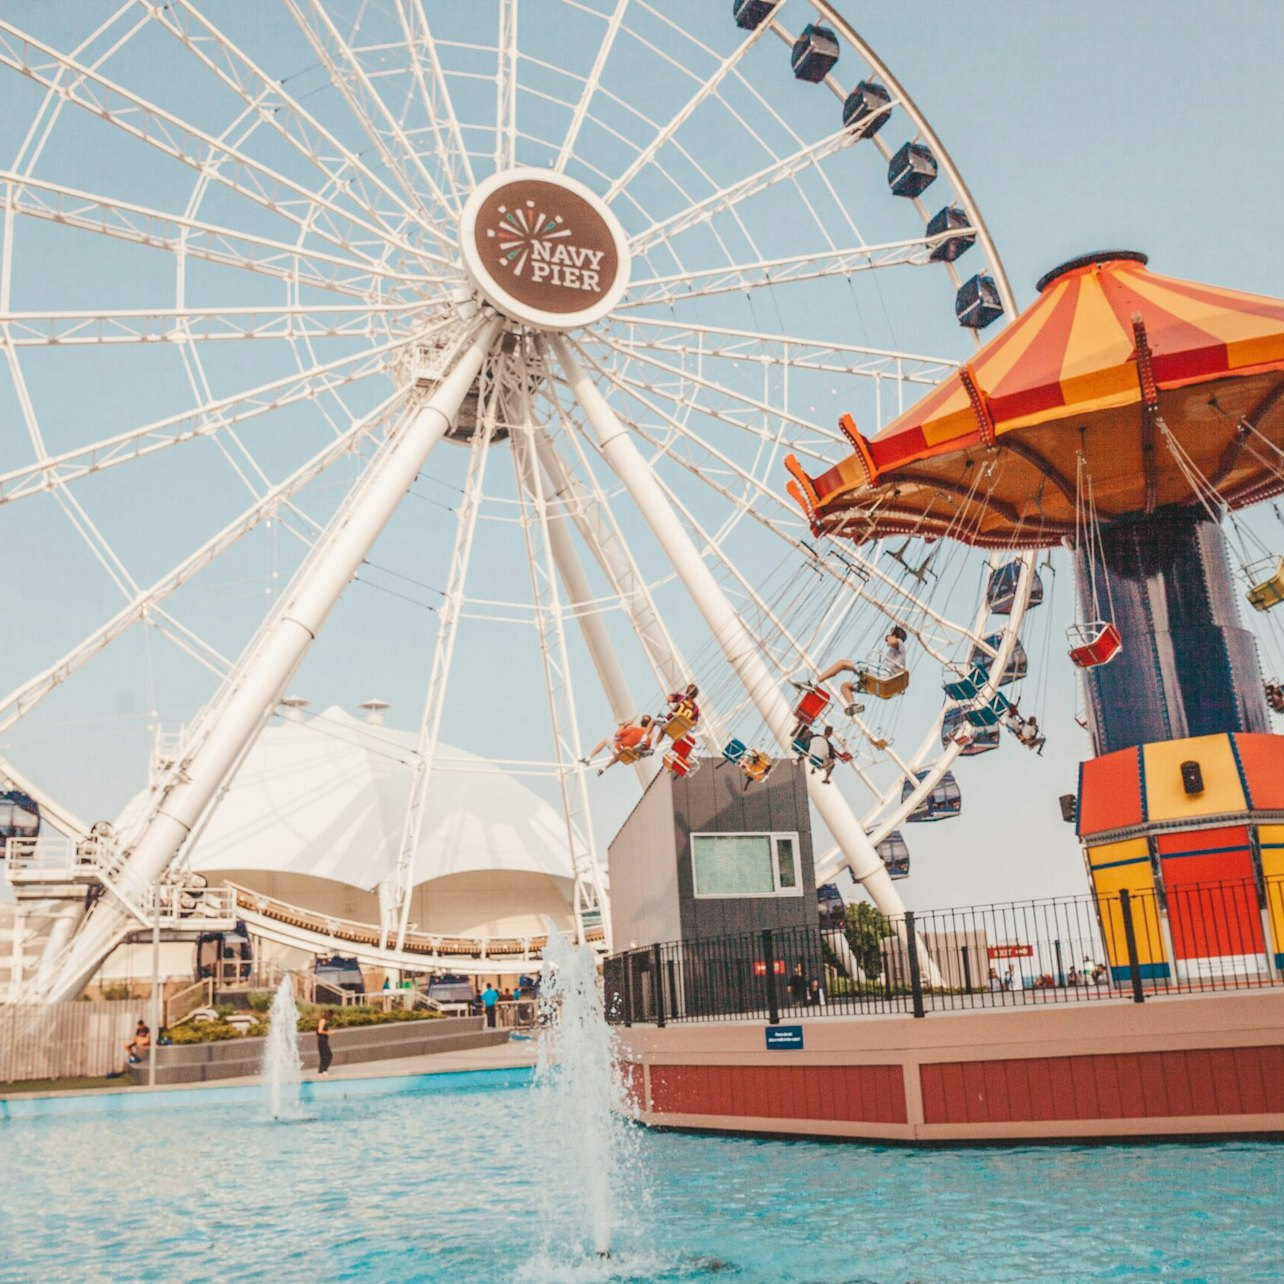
{"points": [[401, 885], [724, 343], [606, 664], [268, 98], [365, 102], [738, 646], [588, 508], [744, 277], [589, 890], [199, 325], [195, 238], [224, 729], [439, 107], [867, 570], [183, 142], [56, 471], [727, 198]]}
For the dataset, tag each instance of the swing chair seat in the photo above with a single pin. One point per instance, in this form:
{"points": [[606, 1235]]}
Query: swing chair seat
{"points": [[1093, 644], [814, 702], [678, 726], [631, 753], [756, 765], [679, 760], [1266, 581], [735, 751], [882, 683]]}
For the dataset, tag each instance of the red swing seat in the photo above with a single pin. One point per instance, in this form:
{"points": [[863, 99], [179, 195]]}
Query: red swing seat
{"points": [[814, 702], [1093, 644], [679, 760]]}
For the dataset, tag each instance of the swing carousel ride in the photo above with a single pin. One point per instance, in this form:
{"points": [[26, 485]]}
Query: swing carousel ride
{"points": [[1130, 417], [481, 340]]}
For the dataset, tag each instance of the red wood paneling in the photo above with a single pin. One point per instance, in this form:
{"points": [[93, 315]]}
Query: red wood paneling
{"points": [[1212, 900], [1143, 1085], [861, 1094]]}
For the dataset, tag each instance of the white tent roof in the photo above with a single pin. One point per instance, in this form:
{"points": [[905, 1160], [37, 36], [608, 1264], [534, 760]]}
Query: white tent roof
{"points": [[326, 796]]}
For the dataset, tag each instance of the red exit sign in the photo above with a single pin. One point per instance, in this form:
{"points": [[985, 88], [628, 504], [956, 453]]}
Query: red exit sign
{"points": [[1010, 951], [777, 966]]}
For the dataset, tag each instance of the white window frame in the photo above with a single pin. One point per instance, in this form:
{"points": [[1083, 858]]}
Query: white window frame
{"points": [[773, 836]]}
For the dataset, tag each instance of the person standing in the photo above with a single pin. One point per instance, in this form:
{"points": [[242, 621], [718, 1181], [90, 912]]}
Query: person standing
{"points": [[324, 1055], [490, 996]]}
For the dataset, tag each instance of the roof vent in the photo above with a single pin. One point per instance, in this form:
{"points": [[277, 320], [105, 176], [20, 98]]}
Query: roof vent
{"points": [[374, 711], [294, 707]]}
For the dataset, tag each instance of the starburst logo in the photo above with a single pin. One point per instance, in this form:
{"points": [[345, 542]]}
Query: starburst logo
{"points": [[540, 246]]}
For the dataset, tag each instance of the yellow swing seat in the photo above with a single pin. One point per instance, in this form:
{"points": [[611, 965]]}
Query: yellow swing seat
{"points": [[1266, 580], [881, 683]]}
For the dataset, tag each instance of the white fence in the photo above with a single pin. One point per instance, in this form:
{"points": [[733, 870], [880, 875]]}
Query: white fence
{"points": [[59, 1040]]}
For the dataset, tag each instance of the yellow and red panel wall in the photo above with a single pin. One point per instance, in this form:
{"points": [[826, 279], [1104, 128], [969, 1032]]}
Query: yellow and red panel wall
{"points": [[1188, 859]]}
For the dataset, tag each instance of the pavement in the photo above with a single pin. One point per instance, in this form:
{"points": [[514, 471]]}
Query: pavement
{"points": [[519, 1052]]}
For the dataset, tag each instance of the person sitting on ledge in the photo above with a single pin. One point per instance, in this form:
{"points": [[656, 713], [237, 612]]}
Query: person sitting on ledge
{"points": [[631, 740], [1275, 697], [136, 1048], [890, 663]]}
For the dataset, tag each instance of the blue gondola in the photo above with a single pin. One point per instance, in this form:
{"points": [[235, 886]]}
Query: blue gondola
{"points": [[831, 906], [814, 54], [19, 816], [867, 109], [983, 738], [966, 688], [944, 802], [1000, 593], [894, 854], [989, 714], [751, 14], [1018, 664]]}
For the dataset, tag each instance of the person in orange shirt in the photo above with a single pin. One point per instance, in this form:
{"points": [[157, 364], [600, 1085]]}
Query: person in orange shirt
{"points": [[629, 736]]}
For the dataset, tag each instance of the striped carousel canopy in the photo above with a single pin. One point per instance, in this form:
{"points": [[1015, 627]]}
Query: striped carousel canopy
{"points": [[1117, 391]]}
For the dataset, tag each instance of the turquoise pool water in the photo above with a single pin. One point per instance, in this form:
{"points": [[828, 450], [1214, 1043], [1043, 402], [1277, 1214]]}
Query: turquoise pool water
{"points": [[459, 1185]]}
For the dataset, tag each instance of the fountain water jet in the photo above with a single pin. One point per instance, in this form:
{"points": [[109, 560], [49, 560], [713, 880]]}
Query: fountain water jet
{"points": [[282, 1065], [580, 1101]]}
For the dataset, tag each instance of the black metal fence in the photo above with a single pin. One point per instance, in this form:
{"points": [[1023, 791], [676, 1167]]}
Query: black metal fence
{"points": [[1132, 944]]}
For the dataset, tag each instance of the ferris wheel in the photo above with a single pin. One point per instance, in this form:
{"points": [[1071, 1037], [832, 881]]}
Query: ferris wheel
{"points": [[524, 318]]}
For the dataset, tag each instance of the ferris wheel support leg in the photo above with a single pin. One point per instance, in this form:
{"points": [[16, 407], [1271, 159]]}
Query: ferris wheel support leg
{"points": [[610, 673], [730, 633], [230, 722]]}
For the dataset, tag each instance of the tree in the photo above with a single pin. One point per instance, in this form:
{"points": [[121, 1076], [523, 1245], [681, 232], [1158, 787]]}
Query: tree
{"points": [[866, 930]]}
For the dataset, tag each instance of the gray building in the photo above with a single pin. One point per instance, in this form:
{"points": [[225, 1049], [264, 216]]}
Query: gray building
{"points": [[698, 870]]}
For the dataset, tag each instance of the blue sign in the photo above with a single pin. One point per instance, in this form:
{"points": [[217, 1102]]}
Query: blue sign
{"points": [[780, 1037]]}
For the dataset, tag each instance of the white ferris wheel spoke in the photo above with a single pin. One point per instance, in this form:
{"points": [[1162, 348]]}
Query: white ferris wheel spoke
{"points": [[201, 325], [506, 80], [228, 247], [743, 277], [435, 98], [591, 85], [190, 146], [384, 130], [705, 210], [56, 471], [708, 89], [852, 360], [285, 114]]}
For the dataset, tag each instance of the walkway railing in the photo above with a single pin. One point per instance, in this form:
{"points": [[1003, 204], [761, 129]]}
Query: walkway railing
{"points": [[1131, 945]]}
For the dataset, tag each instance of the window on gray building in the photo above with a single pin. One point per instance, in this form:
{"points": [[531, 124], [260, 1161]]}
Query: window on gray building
{"points": [[745, 864]]}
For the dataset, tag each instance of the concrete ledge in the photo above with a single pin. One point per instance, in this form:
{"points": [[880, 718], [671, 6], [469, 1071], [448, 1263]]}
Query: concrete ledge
{"points": [[238, 1058]]}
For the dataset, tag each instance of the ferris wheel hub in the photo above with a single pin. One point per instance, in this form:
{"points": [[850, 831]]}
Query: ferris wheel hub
{"points": [[543, 249]]}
